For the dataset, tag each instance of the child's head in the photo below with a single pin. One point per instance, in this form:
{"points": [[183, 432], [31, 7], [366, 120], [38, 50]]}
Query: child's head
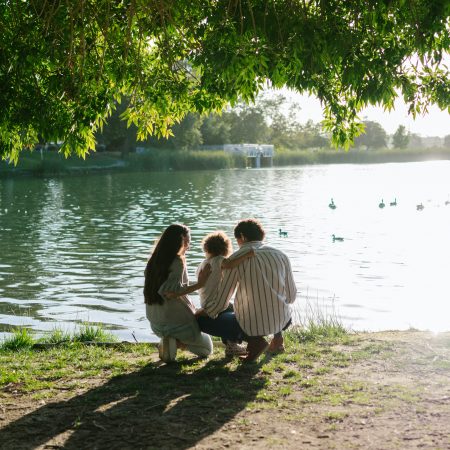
{"points": [[217, 243]]}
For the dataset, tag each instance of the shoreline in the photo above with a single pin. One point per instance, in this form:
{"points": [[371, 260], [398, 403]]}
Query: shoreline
{"points": [[53, 164], [372, 390]]}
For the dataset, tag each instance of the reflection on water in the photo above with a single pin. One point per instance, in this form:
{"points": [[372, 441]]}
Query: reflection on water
{"points": [[74, 249]]}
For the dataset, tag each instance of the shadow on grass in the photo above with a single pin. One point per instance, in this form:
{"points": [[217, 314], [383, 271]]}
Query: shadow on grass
{"points": [[160, 406]]}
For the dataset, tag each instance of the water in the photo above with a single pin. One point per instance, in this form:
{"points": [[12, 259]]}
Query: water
{"points": [[74, 249]]}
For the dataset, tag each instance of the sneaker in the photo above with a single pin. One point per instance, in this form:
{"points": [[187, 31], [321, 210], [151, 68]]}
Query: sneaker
{"points": [[234, 349], [167, 349]]}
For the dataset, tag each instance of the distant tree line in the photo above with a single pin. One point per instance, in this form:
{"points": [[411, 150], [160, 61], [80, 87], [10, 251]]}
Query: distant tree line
{"points": [[267, 121]]}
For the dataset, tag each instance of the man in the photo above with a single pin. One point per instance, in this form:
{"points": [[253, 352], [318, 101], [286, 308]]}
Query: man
{"points": [[265, 289]]}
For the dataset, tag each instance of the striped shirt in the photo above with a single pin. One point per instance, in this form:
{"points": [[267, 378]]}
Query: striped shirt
{"points": [[265, 288]]}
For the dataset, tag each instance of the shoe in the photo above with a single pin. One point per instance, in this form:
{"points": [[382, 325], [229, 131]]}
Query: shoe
{"points": [[167, 349], [276, 346], [234, 349], [255, 348]]}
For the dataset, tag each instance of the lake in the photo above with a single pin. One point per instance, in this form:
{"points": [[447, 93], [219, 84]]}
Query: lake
{"points": [[74, 249]]}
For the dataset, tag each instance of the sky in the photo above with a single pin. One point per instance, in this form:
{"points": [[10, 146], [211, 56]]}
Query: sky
{"points": [[435, 123]]}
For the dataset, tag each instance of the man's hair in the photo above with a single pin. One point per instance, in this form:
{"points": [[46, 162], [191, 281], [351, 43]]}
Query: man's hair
{"points": [[217, 243], [251, 229]]}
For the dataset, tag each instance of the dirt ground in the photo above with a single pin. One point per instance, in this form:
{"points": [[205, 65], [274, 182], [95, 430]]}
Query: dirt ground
{"points": [[393, 394]]}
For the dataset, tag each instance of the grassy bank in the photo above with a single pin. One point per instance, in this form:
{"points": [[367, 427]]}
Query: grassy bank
{"points": [[52, 163], [301, 157], [330, 389]]}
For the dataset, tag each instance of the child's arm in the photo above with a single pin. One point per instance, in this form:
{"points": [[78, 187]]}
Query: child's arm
{"points": [[202, 277], [228, 263]]}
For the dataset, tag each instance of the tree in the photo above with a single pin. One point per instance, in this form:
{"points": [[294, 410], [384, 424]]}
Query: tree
{"points": [[373, 136], [447, 141], [115, 135], [400, 139], [415, 141], [185, 135], [216, 129], [248, 125], [63, 65]]}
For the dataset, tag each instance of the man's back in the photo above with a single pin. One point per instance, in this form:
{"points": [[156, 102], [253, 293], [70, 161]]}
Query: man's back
{"points": [[265, 287]]}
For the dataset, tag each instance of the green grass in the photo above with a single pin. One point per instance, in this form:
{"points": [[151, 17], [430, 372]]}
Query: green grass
{"points": [[57, 336], [21, 339], [315, 324], [92, 333]]}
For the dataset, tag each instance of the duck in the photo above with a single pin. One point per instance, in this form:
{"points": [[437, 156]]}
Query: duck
{"points": [[394, 203], [336, 238], [282, 233], [381, 205], [332, 205], [419, 207]]}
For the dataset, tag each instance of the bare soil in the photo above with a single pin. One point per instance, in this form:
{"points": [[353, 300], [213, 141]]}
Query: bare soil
{"points": [[392, 391]]}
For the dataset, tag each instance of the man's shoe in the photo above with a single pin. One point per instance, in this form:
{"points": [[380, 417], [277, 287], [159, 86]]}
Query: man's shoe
{"points": [[276, 346], [167, 349], [234, 349], [255, 348]]}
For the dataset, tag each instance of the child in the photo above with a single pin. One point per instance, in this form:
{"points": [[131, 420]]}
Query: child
{"points": [[217, 247]]}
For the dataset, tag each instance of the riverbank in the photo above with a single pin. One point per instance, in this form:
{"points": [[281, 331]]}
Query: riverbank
{"points": [[367, 390], [51, 163]]}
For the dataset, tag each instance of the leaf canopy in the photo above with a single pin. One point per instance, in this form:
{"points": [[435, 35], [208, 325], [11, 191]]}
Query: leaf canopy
{"points": [[65, 64]]}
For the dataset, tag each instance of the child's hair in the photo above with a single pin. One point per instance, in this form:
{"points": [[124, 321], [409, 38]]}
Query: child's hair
{"points": [[217, 243]]}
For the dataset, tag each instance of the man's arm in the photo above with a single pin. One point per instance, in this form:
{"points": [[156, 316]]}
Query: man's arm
{"points": [[229, 263], [291, 288]]}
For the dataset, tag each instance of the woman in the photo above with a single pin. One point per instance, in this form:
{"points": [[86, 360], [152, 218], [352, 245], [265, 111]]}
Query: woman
{"points": [[172, 319]]}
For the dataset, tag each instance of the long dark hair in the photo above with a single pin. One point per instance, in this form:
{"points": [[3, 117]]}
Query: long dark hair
{"points": [[157, 270]]}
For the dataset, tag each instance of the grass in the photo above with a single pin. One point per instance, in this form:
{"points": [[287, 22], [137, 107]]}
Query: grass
{"points": [[69, 361], [285, 157], [92, 333], [316, 324], [23, 339], [310, 387], [20, 340], [316, 350]]}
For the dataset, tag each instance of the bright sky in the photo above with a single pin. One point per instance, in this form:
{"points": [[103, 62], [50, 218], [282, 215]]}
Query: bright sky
{"points": [[435, 123]]}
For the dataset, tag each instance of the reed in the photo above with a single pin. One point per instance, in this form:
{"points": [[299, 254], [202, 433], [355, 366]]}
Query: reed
{"points": [[316, 323], [160, 160]]}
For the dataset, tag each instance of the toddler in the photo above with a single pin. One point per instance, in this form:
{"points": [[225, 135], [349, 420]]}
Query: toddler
{"points": [[217, 247]]}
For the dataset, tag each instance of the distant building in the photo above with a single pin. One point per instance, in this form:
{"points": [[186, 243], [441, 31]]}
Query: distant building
{"points": [[258, 155]]}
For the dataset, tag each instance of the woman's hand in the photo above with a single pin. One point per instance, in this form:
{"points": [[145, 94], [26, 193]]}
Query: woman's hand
{"points": [[203, 275], [171, 294], [200, 313]]}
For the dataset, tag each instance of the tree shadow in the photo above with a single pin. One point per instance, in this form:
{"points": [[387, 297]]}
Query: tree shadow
{"points": [[160, 406]]}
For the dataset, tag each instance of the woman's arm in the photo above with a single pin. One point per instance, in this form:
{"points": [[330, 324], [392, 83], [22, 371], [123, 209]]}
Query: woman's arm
{"points": [[202, 277], [228, 263]]}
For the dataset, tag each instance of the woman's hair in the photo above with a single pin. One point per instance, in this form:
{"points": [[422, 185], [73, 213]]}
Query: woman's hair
{"points": [[217, 243], [157, 270], [251, 229]]}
